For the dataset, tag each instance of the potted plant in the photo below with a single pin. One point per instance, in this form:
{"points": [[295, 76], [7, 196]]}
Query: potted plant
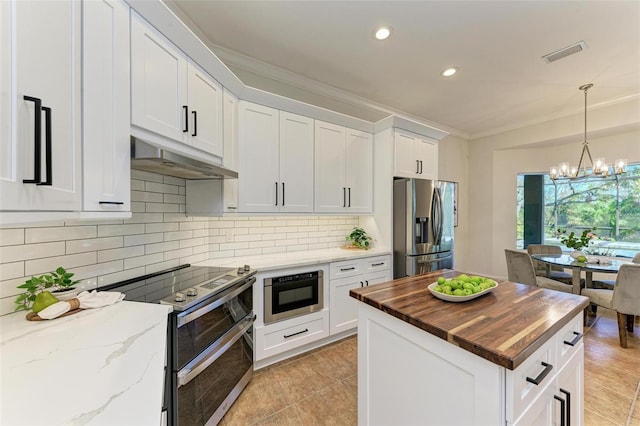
{"points": [[58, 282], [359, 238], [577, 243]]}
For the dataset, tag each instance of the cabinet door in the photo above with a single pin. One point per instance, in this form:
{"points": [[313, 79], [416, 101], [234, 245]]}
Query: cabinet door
{"points": [[258, 179], [158, 83], [296, 163], [330, 168], [40, 59], [205, 111], [343, 313], [405, 162], [571, 389], [230, 159], [359, 171], [427, 155], [106, 113]]}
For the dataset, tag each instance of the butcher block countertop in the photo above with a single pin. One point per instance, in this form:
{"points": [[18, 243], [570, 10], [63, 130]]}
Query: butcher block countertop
{"points": [[504, 326]]}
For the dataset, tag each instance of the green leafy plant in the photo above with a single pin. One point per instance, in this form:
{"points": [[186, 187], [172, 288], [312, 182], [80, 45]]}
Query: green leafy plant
{"points": [[576, 243], [359, 238], [57, 280]]}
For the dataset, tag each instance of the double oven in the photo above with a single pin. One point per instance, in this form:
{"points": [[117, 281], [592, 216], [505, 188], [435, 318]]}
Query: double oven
{"points": [[209, 337]]}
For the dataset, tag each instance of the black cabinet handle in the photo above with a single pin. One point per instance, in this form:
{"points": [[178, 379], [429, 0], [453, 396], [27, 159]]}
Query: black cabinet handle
{"points": [[420, 166], [377, 264], [417, 166], [37, 132], [195, 123], [541, 376], [286, 336], [115, 203], [568, 395], [348, 269], [276, 193], [575, 339], [283, 193], [47, 147], [186, 118], [367, 281], [361, 284], [349, 205], [563, 409]]}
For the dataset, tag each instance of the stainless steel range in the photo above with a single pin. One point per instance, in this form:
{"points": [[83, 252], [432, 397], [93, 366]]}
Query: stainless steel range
{"points": [[210, 337]]}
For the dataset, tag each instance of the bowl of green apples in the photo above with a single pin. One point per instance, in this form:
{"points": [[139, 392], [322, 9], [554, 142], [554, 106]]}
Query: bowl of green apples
{"points": [[461, 288]]}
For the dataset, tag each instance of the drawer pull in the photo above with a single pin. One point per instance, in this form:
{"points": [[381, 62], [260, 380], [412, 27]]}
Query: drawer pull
{"points": [[541, 376], [568, 395], [575, 339], [114, 203], [286, 336], [347, 269], [563, 410], [377, 264]]}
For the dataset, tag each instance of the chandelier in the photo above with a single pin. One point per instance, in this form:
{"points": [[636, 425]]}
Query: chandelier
{"points": [[599, 167]]}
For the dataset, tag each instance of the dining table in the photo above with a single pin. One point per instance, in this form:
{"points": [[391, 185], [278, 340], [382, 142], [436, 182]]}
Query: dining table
{"points": [[594, 264]]}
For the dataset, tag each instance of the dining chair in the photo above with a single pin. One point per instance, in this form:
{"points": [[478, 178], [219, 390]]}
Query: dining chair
{"points": [[520, 269], [624, 298], [608, 284], [555, 272]]}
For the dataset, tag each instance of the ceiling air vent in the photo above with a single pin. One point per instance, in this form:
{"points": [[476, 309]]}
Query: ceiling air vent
{"points": [[565, 51]]}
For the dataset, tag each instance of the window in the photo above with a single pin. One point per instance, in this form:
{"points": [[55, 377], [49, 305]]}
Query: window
{"points": [[611, 205]]}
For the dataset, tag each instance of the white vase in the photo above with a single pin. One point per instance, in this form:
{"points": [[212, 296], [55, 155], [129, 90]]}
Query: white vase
{"points": [[576, 253], [66, 294]]}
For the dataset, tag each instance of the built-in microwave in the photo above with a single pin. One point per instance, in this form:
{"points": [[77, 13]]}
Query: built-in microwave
{"points": [[292, 295]]}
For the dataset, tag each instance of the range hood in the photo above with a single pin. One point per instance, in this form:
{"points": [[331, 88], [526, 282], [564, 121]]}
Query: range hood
{"points": [[150, 158]]}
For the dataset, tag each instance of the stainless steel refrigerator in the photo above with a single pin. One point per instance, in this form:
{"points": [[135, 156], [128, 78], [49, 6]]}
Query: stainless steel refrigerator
{"points": [[422, 226]]}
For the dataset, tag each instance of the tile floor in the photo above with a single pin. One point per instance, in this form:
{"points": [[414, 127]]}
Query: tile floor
{"points": [[320, 387]]}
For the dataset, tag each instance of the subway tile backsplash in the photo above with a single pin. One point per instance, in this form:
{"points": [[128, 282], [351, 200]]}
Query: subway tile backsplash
{"points": [[158, 236]]}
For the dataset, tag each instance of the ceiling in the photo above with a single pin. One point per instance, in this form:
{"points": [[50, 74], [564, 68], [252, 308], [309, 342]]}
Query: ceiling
{"points": [[502, 82]]}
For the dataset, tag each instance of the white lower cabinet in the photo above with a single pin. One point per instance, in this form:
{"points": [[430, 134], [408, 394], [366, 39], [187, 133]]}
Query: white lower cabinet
{"points": [[347, 275], [408, 376]]}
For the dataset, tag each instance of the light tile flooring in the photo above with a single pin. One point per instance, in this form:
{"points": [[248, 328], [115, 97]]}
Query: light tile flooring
{"points": [[320, 387]]}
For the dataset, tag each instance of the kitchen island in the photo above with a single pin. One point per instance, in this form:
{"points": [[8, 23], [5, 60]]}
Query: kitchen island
{"points": [[99, 366], [512, 356]]}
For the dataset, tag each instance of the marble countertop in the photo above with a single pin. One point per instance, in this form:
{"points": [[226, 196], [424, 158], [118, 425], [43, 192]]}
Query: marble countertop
{"points": [[504, 326], [268, 262], [99, 366]]}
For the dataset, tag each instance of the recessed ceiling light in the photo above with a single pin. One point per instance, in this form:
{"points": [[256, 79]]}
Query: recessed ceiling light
{"points": [[383, 33], [449, 72]]}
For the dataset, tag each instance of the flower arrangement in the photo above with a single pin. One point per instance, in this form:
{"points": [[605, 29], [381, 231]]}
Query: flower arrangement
{"points": [[577, 243]]}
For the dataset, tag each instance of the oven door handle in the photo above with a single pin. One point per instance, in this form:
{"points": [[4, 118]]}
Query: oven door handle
{"points": [[188, 317], [213, 352]]}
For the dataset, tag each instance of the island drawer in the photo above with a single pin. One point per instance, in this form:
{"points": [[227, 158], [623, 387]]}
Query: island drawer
{"points": [[569, 340]]}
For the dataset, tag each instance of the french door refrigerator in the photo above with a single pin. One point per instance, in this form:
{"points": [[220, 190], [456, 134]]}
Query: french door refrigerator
{"points": [[422, 226]]}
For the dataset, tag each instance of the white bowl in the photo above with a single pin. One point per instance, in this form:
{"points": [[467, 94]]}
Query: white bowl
{"points": [[452, 298]]}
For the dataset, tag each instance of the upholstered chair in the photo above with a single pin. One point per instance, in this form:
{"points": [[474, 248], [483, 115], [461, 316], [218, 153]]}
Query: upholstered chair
{"points": [[608, 284], [521, 270], [624, 298], [555, 272]]}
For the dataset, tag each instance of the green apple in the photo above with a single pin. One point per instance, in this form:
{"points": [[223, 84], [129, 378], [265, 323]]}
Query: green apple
{"points": [[441, 280], [43, 300]]}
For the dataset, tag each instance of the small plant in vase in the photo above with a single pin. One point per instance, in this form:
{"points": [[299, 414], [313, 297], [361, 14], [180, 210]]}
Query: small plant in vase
{"points": [[58, 283], [359, 238], [577, 243]]}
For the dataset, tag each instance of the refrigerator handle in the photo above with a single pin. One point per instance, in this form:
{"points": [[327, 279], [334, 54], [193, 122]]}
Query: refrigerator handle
{"points": [[437, 217]]}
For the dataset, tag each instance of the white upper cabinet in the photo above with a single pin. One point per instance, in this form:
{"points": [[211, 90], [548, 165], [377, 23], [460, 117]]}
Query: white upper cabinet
{"points": [[40, 144], [231, 148], [276, 160], [415, 156], [106, 117], [170, 96], [343, 169]]}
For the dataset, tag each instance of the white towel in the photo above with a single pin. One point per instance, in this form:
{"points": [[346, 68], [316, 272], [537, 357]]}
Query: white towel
{"points": [[88, 300]]}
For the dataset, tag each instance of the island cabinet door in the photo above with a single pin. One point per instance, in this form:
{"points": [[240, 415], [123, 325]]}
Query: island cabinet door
{"points": [[407, 376]]}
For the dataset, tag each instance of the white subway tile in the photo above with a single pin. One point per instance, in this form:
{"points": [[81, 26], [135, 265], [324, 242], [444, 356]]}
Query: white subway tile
{"points": [[11, 237], [213, 247], [141, 217], [286, 242], [11, 270], [221, 254], [284, 229], [138, 207], [172, 180], [234, 246], [95, 270], [197, 233], [178, 235], [260, 244], [278, 223], [120, 253], [184, 226], [263, 230], [201, 249], [144, 196], [44, 224], [162, 208], [300, 247], [176, 254], [250, 224], [297, 222], [194, 258], [160, 187], [217, 239], [136, 262], [271, 250], [30, 251], [147, 176], [10, 288], [43, 235], [318, 246], [114, 230], [161, 247], [176, 217], [81, 246], [162, 266], [232, 218], [182, 190], [307, 228], [174, 199], [297, 235], [137, 185], [151, 228], [278, 236], [240, 231], [7, 306], [69, 262], [120, 276], [239, 238], [248, 252], [136, 240]]}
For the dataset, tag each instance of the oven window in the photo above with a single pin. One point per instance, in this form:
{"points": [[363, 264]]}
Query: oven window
{"points": [[294, 295]]}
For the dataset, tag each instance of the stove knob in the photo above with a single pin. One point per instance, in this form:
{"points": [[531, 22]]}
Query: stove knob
{"points": [[246, 268], [179, 297], [192, 292], [241, 271]]}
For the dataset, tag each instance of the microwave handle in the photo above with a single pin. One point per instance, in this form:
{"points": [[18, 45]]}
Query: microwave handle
{"points": [[188, 317], [213, 352]]}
